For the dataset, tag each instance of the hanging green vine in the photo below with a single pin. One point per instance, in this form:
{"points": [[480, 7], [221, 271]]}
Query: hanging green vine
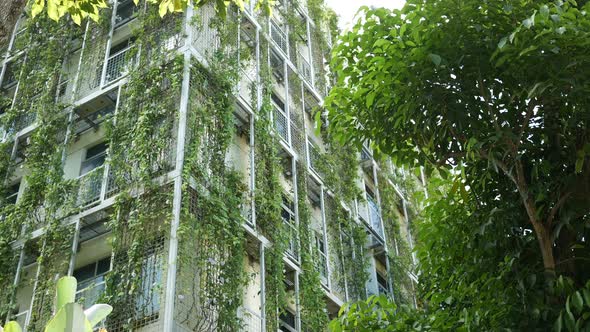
{"points": [[48, 197]]}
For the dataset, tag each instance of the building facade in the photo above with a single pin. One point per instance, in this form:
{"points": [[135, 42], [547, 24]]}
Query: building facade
{"points": [[173, 167]]}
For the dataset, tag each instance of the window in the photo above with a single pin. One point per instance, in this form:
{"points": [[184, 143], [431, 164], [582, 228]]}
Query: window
{"points": [[95, 157], [91, 281], [382, 284], [12, 194], [126, 10], [287, 321]]}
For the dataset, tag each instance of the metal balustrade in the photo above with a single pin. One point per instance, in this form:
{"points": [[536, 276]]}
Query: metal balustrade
{"points": [[293, 244], [90, 291], [304, 67], [374, 217], [278, 36], [247, 85], [313, 156], [25, 120], [117, 65], [281, 126], [90, 187], [21, 318], [252, 321]]}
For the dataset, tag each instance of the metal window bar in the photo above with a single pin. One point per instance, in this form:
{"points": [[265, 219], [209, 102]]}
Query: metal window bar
{"points": [[278, 36], [118, 65]]}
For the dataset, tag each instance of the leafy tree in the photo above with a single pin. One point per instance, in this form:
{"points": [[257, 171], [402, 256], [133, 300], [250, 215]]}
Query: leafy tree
{"points": [[493, 95], [80, 9]]}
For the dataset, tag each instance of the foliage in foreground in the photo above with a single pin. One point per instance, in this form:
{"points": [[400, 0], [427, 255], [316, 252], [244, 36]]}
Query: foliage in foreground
{"points": [[80, 9], [493, 95], [70, 316]]}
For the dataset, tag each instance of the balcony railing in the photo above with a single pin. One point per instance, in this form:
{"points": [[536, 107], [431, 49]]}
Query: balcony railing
{"points": [[304, 67], [313, 157], [25, 120], [293, 245], [278, 36], [90, 187], [375, 217], [117, 65], [252, 321], [281, 126], [21, 318], [90, 291]]}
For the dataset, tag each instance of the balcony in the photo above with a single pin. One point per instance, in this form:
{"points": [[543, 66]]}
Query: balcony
{"points": [[281, 125], [90, 187], [126, 11], [278, 36], [374, 217], [304, 68], [118, 65], [313, 157], [252, 321], [89, 291]]}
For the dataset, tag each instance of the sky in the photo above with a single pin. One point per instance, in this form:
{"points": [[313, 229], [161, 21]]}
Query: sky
{"points": [[347, 8]]}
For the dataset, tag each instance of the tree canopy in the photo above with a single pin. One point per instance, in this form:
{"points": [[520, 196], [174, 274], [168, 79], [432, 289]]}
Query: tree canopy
{"points": [[80, 9], [494, 96]]}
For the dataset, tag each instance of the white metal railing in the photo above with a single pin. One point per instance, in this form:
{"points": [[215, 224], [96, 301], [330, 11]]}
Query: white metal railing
{"points": [[374, 217], [313, 156], [245, 86], [252, 321], [278, 36], [293, 245], [280, 122], [24, 120], [90, 291], [90, 186], [304, 67], [117, 65], [21, 318]]}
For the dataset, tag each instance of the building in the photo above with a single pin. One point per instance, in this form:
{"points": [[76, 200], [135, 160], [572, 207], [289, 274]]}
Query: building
{"points": [[172, 166]]}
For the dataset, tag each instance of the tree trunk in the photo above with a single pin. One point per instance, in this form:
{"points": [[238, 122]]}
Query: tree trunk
{"points": [[543, 233]]}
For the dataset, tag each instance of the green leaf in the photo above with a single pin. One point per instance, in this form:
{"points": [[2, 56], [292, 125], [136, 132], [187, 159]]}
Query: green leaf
{"points": [[65, 291], [12, 326], [577, 301], [502, 42], [37, 7], [557, 326], [435, 58]]}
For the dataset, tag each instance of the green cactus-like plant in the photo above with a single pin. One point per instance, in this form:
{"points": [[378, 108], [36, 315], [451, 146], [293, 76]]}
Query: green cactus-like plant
{"points": [[69, 316]]}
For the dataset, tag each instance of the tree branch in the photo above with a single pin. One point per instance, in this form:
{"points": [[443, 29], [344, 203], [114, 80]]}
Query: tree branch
{"points": [[557, 206]]}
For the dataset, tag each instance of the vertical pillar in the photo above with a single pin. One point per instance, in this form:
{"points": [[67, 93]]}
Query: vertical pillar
{"points": [[325, 237], [177, 201], [262, 289]]}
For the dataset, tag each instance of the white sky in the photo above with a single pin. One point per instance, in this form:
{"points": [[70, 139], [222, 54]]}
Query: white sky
{"points": [[346, 9]]}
